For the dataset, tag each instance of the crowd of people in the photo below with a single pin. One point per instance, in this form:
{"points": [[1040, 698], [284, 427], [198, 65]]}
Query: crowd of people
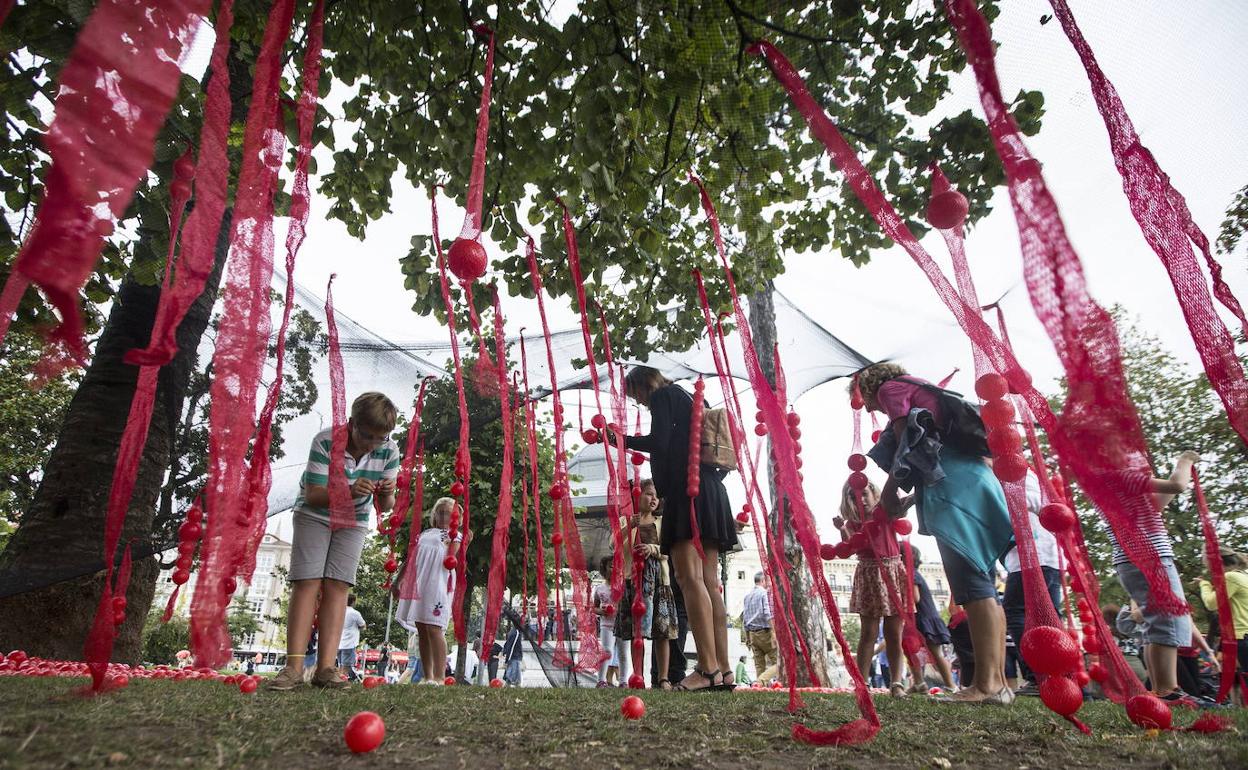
{"points": [[671, 585]]}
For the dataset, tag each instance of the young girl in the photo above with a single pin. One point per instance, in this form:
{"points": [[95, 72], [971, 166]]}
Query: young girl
{"points": [[431, 587], [933, 628], [658, 623], [879, 567]]}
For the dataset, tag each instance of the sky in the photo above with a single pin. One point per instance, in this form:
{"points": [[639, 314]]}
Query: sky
{"points": [[1179, 70]]}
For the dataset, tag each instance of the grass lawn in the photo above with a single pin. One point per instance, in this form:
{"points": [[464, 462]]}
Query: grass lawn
{"points": [[162, 724]]}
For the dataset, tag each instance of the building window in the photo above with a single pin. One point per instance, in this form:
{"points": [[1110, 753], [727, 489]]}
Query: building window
{"points": [[256, 607], [741, 574], [249, 640], [264, 562], [940, 584]]}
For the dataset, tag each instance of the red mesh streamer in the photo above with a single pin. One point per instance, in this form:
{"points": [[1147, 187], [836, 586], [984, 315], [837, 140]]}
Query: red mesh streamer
{"points": [[463, 458], [1217, 576], [341, 504], [619, 498], [242, 346], [1098, 433], [803, 521], [1167, 225], [523, 403], [260, 473], [535, 483], [411, 473], [502, 521], [591, 653], [113, 94], [476, 180]]}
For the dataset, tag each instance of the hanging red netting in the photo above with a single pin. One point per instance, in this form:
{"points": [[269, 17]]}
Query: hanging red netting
{"points": [[241, 350], [1167, 225], [341, 504], [260, 474], [114, 92], [467, 258], [1098, 434], [772, 407], [1217, 576], [502, 520], [534, 487], [410, 495]]}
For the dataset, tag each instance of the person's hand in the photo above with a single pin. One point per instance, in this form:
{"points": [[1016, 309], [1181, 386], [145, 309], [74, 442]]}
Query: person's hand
{"points": [[362, 487], [634, 521], [838, 522], [384, 487], [1190, 455]]}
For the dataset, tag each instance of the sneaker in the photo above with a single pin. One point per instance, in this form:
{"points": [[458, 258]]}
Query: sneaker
{"points": [[1028, 689], [329, 678], [897, 690], [1180, 698], [1004, 697], [287, 679], [602, 683]]}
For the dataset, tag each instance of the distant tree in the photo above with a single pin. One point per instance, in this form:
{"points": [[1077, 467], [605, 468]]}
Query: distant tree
{"points": [[161, 641]]}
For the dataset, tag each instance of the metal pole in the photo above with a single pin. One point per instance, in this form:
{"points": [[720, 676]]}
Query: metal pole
{"points": [[389, 615]]}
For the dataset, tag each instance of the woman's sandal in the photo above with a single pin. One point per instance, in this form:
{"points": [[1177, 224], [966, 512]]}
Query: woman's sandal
{"points": [[665, 684], [724, 684], [707, 675]]}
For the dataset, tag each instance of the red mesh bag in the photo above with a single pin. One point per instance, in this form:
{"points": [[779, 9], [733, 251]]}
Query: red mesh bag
{"points": [[502, 521]]}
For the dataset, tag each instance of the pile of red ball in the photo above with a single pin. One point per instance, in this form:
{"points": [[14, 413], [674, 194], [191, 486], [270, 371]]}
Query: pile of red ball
{"points": [[118, 675]]}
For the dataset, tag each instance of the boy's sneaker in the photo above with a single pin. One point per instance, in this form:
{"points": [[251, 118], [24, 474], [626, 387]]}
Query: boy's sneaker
{"points": [[329, 678], [287, 679], [1028, 689]]}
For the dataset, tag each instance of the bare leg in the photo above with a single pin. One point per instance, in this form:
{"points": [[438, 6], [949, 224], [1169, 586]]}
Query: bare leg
{"points": [[299, 622], [333, 612], [612, 671], [662, 652], [426, 651], [868, 626], [698, 606], [987, 625], [941, 664], [719, 614], [1163, 667], [892, 649]]}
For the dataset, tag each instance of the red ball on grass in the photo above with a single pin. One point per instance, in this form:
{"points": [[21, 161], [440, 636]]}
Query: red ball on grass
{"points": [[636, 682], [448, 682], [496, 683], [1061, 695], [364, 732], [372, 681], [247, 685], [947, 210], [1149, 711], [1049, 650], [633, 707], [467, 259]]}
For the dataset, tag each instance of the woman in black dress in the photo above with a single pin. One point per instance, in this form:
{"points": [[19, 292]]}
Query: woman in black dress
{"points": [[671, 409]]}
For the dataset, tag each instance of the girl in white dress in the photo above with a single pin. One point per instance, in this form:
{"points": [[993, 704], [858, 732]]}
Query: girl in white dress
{"points": [[425, 603]]}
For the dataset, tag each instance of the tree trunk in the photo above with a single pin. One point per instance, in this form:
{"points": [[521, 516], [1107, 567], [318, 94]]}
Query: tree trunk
{"points": [[806, 610], [59, 545]]}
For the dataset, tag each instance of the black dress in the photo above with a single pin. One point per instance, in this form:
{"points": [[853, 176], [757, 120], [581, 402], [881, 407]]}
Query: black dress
{"points": [[671, 410]]}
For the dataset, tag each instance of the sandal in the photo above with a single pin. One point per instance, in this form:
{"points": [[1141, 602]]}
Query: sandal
{"points": [[724, 684], [707, 675], [665, 684]]}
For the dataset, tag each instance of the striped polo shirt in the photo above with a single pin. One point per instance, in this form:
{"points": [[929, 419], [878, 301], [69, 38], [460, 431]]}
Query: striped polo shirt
{"points": [[381, 463]]}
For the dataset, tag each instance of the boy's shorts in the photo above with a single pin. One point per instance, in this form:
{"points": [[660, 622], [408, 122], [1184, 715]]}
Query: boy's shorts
{"points": [[1166, 630], [319, 552], [967, 583]]}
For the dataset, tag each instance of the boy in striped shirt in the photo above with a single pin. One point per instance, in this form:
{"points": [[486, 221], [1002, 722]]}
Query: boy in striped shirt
{"points": [[323, 561]]}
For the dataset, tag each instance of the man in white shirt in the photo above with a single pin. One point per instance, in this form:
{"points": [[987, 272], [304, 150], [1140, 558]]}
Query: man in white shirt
{"points": [[1013, 602], [352, 624]]}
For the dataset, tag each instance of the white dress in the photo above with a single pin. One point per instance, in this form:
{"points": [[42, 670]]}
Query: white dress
{"points": [[434, 584]]}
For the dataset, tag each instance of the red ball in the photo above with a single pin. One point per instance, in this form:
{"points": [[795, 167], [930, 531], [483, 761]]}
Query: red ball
{"points": [[633, 707], [247, 685], [391, 565], [364, 732], [189, 531], [1010, 468], [844, 550], [1091, 645], [608, 610], [794, 419], [997, 414], [638, 609], [1082, 679], [857, 462], [186, 549], [496, 683], [1084, 606], [450, 562], [1098, 673], [903, 527], [598, 421], [1061, 695], [556, 491], [119, 618], [743, 517], [373, 681], [467, 259], [912, 643], [1149, 711], [184, 167], [637, 458], [760, 430], [1049, 650], [117, 681], [229, 586], [947, 209], [448, 682], [590, 436], [759, 416], [827, 551], [875, 436], [556, 539], [119, 604], [991, 387], [797, 447], [1020, 381], [795, 433], [457, 489], [858, 481], [1057, 517], [855, 401], [797, 462], [1005, 441], [395, 521], [636, 682]]}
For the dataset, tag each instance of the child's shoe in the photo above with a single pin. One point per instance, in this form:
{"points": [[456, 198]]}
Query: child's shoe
{"points": [[329, 678], [287, 679]]}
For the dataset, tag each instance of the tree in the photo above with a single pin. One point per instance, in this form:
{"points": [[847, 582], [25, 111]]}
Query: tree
{"points": [[162, 641], [1178, 410], [1235, 224]]}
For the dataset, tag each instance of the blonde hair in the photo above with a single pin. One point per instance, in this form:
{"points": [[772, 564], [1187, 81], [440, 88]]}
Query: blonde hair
{"points": [[441, 509], [644, 379], [870, 379], [849, 502], [374, 410]]}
